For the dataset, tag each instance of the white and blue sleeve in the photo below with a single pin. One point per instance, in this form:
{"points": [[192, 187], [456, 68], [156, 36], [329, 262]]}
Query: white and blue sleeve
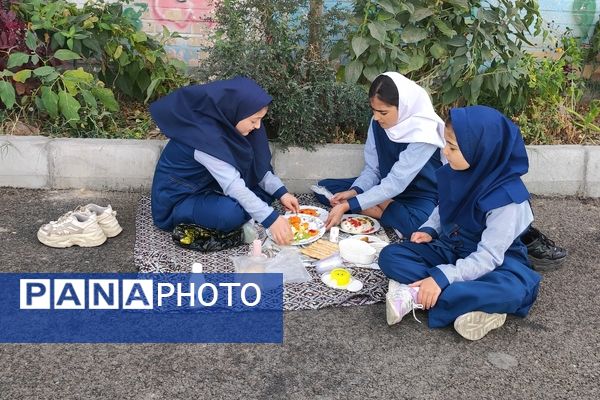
{"points": [[409, 164], [503, 226], [230, 180]]}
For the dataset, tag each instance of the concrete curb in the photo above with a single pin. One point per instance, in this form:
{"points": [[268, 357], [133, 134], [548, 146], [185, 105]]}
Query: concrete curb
{"points": [[113, 164]]}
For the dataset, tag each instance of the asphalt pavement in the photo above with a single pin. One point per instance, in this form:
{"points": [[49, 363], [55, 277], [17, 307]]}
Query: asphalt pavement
{"points": [[335, 353]]}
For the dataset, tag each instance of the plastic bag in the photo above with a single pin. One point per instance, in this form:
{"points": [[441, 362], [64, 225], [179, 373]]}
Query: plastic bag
{"points": [[287, 262], [196, 237]]}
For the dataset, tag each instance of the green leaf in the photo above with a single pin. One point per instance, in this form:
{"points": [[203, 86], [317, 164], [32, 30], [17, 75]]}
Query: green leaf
{"points": [[412, 34], [79, 75], [89, 98], [476, 88], [378, 31], [353, 71], [66, 55], [44, 71], [118, 52], [50, 101], [359, 45], [69, 107], [7, 94], [420, 14], [488, 16], [106, 97], [151, 88], [450, 96], [59, 39], [463, 4], [6, 72], [31, 40], [22, 75], [457, 41], [445, 29], [371, 72], [388, 6], [92, 44], [16, 60], [415, 63], [139, 36], [437, 51]]}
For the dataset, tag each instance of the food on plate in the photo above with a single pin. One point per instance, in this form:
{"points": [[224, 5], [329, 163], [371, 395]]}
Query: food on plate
{"points": [[309, 211], [357, 225], [301, 229]]}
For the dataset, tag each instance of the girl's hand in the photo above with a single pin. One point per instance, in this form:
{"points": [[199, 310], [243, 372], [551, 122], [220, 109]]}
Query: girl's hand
{"points": [[340, 197], [420, 237], [429, 291], [336, 213], [290, 202], [281, 231]]}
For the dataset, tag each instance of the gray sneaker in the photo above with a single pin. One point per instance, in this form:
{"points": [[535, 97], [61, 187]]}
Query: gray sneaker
{"points": [[73, 228]]}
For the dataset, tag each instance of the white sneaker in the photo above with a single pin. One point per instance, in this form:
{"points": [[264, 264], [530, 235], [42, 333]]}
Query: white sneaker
{"points": [[73, 228], [400, 300], [106, 217], [476, 324]]}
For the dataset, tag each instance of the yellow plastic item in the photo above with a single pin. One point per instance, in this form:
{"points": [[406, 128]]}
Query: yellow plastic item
{"points": [[340, 276]]}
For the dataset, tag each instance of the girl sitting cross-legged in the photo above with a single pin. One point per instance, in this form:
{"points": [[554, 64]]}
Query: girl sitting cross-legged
{"points": [[466, 264]]}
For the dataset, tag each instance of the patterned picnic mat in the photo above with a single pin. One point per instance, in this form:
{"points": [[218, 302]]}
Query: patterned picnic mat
{"points": [[155, 252]]}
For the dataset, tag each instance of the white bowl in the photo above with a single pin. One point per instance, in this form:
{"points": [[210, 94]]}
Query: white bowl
{"points": [[357, 251]]}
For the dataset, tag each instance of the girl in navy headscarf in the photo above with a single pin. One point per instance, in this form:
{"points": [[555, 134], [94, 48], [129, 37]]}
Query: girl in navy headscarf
{"points": [[216, 169], [401, 154], [466, 263]]}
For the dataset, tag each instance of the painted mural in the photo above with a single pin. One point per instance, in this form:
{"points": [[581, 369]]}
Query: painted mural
{"points": [[180, 14]]}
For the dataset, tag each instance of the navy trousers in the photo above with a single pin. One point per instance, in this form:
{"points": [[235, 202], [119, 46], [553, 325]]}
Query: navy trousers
{"points": [[403, 217], [214, 210], [510, 288]]}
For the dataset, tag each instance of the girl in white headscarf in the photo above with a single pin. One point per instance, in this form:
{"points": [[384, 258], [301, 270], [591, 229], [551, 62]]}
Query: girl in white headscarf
{"points": [[402, 152]]}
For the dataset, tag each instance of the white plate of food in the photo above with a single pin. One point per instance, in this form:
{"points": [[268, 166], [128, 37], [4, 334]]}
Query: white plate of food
{"points": [[356, 224], [306, 228], [313, 211]]}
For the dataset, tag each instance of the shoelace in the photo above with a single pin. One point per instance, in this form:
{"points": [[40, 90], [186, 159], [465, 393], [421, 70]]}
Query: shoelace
{"points": [[62, 218], [415, 307], [547, 241]]}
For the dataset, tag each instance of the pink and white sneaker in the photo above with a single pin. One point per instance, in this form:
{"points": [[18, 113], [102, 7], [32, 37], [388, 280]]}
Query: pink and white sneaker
{"points": [[400, 300]]}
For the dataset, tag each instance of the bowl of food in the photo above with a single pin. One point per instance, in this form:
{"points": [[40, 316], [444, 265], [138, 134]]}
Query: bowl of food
{"points": [[372, 241], [357, 251]]}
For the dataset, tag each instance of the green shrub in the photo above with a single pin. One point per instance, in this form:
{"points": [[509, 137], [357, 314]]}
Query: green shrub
{"points": [[61, 66], [554, 112], [267, 41], [461, 50]]}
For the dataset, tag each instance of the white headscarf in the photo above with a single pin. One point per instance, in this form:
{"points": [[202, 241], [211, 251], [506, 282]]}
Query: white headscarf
{"points": [[417, 121]]}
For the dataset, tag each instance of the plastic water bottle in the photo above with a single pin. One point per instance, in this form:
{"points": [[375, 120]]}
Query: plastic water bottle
{"points": [[250, 232]]}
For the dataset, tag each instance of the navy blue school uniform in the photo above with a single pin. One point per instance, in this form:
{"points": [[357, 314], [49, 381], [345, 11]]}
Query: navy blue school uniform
{"points": [[414, 204], [200, 122], [476, 257]]}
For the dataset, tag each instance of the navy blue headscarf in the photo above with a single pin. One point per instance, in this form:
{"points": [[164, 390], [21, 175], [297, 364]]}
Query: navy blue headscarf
{"points": [[204, 117], [494, 148]]}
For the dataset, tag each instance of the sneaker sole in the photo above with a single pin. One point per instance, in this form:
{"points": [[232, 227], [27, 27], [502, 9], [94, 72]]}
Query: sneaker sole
{"points": [[477, 324], [542, 265], [391, 315], [91, 239]]}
